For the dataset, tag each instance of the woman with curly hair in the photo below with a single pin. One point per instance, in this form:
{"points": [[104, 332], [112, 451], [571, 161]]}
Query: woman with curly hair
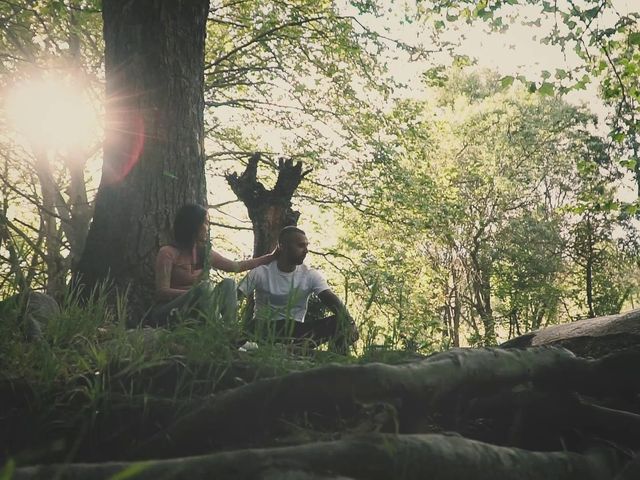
{"points": [[181, 284]]}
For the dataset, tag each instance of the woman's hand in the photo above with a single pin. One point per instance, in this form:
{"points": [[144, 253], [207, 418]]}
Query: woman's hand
{"points": [[266, 259]]}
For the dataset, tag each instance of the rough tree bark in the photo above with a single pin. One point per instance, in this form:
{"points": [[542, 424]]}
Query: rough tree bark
{"points": [[269, 210], [153, 150]]}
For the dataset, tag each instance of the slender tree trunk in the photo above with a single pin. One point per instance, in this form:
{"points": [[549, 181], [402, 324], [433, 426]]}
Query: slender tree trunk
{"points": [[589, 270], [481, 289], [153, 151], [79, 209], [486, 311], [54, 261], [15, 277], [455, 308], [538, 317]]}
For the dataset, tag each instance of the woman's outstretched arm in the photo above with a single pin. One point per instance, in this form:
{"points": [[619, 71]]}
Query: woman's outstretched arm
{"points": [[226, 265]]}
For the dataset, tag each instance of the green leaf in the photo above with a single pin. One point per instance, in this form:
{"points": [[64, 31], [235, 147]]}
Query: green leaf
{"points": [[546, 89], [634, 38], [592, 12], [131, 471], [630, 208], [618, 137], [630, 164], [8, 470], [532, 87], [484, 14], [507, 81]]}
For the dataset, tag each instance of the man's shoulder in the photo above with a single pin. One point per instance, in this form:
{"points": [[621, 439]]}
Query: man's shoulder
{"points": [[255, 277], [309, 272], [262, 270], [309, 269]]}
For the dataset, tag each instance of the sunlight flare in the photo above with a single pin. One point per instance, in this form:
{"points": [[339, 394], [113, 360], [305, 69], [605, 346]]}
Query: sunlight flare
{"points": [[51, 114]]}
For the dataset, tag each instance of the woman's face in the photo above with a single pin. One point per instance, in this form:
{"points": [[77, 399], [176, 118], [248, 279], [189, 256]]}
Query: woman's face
{"points": [[204, 229]]}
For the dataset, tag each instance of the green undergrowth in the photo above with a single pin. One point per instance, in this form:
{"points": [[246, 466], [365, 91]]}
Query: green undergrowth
{"points": [[87, 347], [89, 342], [90, 379]]}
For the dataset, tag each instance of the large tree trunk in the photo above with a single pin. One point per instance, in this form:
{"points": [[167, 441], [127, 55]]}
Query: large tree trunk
{"points": [[153, 151], [269, 210]]}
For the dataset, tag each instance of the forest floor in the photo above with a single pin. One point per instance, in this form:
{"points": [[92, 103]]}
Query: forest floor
{"points": [[93, 399]]}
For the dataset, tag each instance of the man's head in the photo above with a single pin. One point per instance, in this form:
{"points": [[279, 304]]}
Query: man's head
{"points": [[293, 245]]}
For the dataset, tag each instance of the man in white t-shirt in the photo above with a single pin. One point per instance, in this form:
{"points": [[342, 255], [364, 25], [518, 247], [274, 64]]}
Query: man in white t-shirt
{"points": [[282, 289]]}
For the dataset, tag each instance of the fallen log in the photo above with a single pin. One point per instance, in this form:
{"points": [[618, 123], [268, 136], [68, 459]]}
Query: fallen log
{"points": [[437, 457], [591, 337]]}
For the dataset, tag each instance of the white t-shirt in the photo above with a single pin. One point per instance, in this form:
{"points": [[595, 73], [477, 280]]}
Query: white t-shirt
{"points": [[282, 295]]}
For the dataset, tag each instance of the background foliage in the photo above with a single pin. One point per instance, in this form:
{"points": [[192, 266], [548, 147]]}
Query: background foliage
{"points": [[471, 210]]}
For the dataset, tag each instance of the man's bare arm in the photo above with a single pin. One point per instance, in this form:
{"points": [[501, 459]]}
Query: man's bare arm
{"points": [[333, 303]]}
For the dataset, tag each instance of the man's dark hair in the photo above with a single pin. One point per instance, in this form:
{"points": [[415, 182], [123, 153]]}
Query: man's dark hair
{"points": [[287, 232], [187, 224]]}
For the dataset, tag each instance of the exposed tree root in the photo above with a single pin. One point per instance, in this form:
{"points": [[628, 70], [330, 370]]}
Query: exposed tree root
{"points": [[542, 398], [437, 457], [421, 385]]}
